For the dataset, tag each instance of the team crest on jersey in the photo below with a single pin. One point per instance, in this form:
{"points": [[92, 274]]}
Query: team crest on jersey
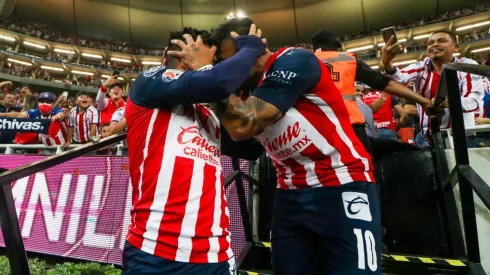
{"points": [[170, 75], [153, 71]]}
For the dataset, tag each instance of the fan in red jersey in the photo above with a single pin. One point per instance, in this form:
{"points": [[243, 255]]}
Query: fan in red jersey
{"points": [[326, 217], [179, 219]]}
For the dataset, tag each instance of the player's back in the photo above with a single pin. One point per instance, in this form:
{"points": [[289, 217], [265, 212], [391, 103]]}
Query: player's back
{"points": [[314, 143], [179, 210]]}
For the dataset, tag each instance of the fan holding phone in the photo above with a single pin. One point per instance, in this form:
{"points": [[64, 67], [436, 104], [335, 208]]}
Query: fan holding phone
{"points": [[426, 75], [106, 106]]}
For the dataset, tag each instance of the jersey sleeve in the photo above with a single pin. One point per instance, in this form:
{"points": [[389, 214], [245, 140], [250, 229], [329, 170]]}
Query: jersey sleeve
{"points": [[162, 86], [56, 111], [370, 77], [290, 76], [33, 113], [410, 73], [118, 115], [71, 119]]}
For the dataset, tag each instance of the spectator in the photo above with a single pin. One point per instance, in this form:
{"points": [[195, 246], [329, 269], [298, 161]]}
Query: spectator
{"points": [[30, 103], [8, 105], [107, 107], [383, 117], [23, 92], [44, 110], [82, 122], [426, 74], [104, 129]]}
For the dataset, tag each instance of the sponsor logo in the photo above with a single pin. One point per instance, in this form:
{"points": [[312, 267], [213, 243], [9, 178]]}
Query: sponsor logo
{"points": [[153, 71], [290, 138], [198, 146], [170, 75], [356, 206], [205, 68], [285, 77], [15, 125]]}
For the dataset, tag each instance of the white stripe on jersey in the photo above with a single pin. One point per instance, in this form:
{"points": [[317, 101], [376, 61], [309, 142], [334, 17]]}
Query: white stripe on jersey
{"points": [[191, 210], [163, 184]]}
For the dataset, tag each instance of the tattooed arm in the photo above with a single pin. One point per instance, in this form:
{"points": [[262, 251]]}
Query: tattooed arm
{"points": [[290, 76], [244, 119]]}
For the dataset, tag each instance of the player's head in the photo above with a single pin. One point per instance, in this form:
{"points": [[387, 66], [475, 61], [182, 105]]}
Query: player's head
{"points": [[325, 41], [175, 62], [441, 46], [227, 46]]}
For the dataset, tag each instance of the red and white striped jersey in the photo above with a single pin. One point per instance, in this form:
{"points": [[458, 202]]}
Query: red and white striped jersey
{"points": [[426, 83], [313, 144], [179, 209], [59, 139], [81, 123]]}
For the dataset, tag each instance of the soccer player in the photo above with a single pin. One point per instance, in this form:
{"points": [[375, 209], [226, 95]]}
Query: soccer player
{"points": [[179, 219], [326, 216]]}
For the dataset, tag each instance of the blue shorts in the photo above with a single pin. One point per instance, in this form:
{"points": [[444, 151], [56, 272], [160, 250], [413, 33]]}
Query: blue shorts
{"points": [[328, 231], [139, 262]]}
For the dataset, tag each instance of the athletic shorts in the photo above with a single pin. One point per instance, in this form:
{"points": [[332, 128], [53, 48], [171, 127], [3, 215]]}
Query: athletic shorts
{"points": [[328, 231], [138, 262]]}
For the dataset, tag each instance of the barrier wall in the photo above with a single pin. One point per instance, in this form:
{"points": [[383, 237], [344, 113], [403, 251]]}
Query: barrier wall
{"points": [[81, 209], [480, 162]]}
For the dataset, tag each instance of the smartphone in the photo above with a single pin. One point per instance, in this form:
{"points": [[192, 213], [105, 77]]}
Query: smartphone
{"points": [[388, 33], [65, 95], [116, 73]]}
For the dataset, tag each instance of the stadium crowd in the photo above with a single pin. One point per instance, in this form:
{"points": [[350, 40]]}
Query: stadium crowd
{"points": [[87, 116]]}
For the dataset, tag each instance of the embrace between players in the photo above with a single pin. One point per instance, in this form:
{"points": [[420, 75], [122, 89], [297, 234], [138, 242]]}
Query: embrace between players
{"points": [[326, 216]]}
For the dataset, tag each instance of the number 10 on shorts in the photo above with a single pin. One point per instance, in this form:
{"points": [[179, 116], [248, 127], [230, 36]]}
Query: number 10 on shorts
{"points": [[369, 249]]}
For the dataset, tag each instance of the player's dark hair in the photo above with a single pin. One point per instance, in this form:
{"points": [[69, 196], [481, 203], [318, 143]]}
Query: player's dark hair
{"points": [[205, 35], [450, 33], [238, 25]]}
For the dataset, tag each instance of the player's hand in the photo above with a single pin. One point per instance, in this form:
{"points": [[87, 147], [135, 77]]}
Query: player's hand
{"points": [[253, 40], [110, 81], [389, 51], [194, 54]]}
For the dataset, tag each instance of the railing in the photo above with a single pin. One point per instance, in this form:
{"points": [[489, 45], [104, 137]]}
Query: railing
{"points": [[10, 148], [8, 217], [468, 130], [462, 173]]}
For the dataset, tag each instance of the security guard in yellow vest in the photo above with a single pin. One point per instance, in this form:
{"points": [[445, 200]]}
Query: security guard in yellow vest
{"points": [[346, 70]]}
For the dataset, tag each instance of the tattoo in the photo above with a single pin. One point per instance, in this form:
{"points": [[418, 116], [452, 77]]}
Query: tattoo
{"points": [[195, 49], [250, 116]]}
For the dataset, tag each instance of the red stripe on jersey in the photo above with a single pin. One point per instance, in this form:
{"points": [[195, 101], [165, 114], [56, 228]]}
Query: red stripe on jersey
{"points": [[298, 178], [281, 174], [424, 89], [81, 128], [323, 166], [469, 85], [173, 215], [48, 142], [152, 165], [205, 216], [413, 71]]}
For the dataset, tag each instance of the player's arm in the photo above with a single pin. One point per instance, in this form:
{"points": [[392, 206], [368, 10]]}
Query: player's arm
{"points": [[208, 85], [378, 81], [290, 76], [101, 98], [117, 127]]}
